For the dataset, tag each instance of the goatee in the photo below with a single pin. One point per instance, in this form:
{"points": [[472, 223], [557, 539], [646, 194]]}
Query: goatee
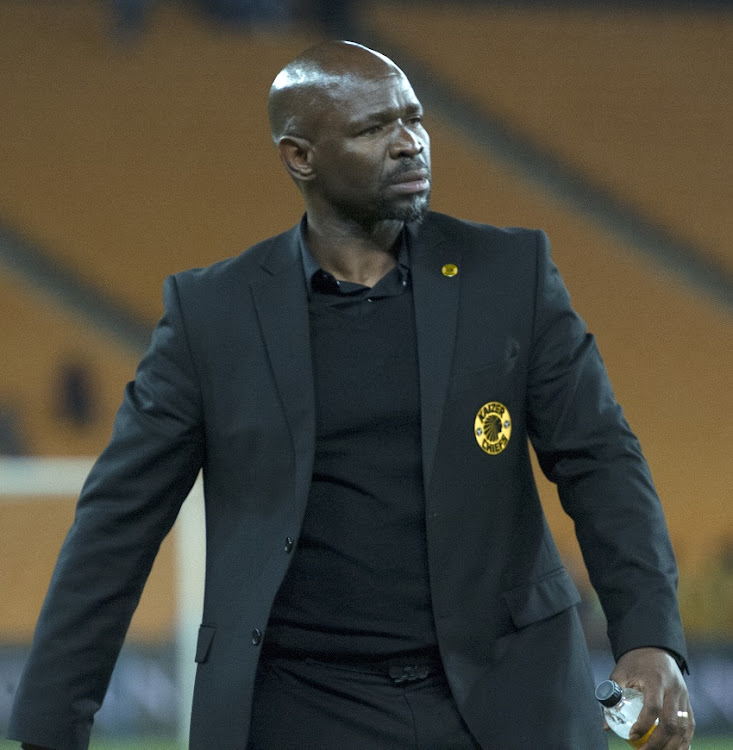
{"points": [[413, 212]]}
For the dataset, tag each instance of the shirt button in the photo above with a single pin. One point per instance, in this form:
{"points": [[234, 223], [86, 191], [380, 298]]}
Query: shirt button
{"points": [[289, 544], [256, 636]]}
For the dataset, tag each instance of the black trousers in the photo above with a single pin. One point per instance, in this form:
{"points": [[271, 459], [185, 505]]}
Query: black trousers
{"points": [[302, 704]]}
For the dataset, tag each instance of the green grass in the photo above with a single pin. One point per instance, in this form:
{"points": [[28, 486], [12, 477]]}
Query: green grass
{"points": [[706, 743]]}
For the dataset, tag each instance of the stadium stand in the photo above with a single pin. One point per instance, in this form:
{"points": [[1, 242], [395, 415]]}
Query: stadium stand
{"points": [[128, 163], [132, 163], [37, 338], [636, 97]]}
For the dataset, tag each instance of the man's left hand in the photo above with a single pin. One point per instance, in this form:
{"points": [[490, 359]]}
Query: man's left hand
{"points": [[655, 673]]}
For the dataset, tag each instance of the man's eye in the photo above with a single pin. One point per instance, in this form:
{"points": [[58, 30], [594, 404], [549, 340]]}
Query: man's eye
{"points": [[372, 130]]}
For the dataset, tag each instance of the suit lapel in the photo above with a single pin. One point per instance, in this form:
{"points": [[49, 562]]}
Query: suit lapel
{"points": [[281, 302], [436, 295]]}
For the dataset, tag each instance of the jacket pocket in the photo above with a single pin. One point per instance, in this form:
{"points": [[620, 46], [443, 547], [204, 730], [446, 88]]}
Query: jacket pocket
{"points": [[541, 599], [482, 374], [203, 643]]}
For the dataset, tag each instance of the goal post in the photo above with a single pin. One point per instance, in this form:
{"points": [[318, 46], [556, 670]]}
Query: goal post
{"points": [[30, 478]]}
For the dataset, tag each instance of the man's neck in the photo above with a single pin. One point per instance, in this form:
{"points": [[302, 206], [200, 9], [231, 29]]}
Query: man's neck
{"points": [[354, 253]]}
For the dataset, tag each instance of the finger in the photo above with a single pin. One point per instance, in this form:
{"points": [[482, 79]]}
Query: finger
{"points": [[686, 721], [646, 721], [672, 708], [674, 732]]}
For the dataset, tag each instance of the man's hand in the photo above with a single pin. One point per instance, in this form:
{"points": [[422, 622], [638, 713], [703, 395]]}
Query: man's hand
{"points": [[655, 673]]}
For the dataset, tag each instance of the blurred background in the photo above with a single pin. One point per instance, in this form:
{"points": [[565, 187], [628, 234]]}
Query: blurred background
{"points": [[134, 143]]}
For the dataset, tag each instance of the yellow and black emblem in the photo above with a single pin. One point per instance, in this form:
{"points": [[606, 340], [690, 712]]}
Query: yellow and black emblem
{"points": [[492, 427]]}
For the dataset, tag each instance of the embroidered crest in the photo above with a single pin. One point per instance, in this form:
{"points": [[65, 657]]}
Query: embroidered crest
{"points": [[492, 427]]}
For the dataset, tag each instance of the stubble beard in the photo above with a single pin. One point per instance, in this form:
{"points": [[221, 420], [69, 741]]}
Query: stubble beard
{"points": [[413, 212], [412, 209]]}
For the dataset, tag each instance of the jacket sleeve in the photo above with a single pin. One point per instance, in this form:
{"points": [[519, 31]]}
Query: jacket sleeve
{"points": [[586, 447], [127, 505]]}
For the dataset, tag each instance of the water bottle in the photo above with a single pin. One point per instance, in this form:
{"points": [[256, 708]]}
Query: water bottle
{"points": [[621, 708]]}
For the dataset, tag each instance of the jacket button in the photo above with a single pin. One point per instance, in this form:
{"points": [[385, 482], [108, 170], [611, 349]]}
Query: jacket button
{"points": [[289, 544], [256, 636]]}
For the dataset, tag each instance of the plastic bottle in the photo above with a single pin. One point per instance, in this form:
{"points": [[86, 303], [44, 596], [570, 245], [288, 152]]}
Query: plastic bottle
{"points": [[621, 708]]}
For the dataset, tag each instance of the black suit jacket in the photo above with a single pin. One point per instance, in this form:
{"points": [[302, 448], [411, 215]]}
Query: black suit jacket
{"points": [[227, 386]]}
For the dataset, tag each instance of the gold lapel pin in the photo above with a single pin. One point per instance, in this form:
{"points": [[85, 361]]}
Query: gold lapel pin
{"points": [[449, 269]]}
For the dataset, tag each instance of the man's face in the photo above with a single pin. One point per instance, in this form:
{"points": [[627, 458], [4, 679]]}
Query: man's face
{"points": [[371, 152]]}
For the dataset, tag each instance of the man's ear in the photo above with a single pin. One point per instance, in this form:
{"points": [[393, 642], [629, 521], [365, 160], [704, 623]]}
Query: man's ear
{"points": [[297, 155]]}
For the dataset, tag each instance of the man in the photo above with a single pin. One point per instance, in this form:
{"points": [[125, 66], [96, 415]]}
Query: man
{"points": [[359, 392]]}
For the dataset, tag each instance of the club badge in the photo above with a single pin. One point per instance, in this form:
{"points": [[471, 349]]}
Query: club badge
{"points": [[492, 427]]}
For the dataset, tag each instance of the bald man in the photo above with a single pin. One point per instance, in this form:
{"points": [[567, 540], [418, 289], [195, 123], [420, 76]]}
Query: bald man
{"points": [[379, 571]]}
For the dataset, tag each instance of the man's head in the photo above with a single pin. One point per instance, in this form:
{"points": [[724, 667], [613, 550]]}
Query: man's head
{"points": [[349, 130]]}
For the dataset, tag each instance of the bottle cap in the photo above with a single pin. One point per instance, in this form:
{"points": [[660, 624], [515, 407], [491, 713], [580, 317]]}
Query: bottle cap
{"points": [[609, 693]]}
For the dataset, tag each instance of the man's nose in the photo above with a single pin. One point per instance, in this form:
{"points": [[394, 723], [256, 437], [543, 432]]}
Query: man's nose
{"points": [[406, 142]]}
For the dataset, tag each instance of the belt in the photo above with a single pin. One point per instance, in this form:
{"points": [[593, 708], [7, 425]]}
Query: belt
{"points": [[406, 668], [398, 673], [409, 672]]}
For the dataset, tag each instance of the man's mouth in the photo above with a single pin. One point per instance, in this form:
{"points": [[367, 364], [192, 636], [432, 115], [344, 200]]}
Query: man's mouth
{"points": [[414, 181]]}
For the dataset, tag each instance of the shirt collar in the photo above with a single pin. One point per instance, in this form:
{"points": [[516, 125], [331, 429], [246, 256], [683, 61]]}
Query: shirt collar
{"points": [[311, 266]]}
